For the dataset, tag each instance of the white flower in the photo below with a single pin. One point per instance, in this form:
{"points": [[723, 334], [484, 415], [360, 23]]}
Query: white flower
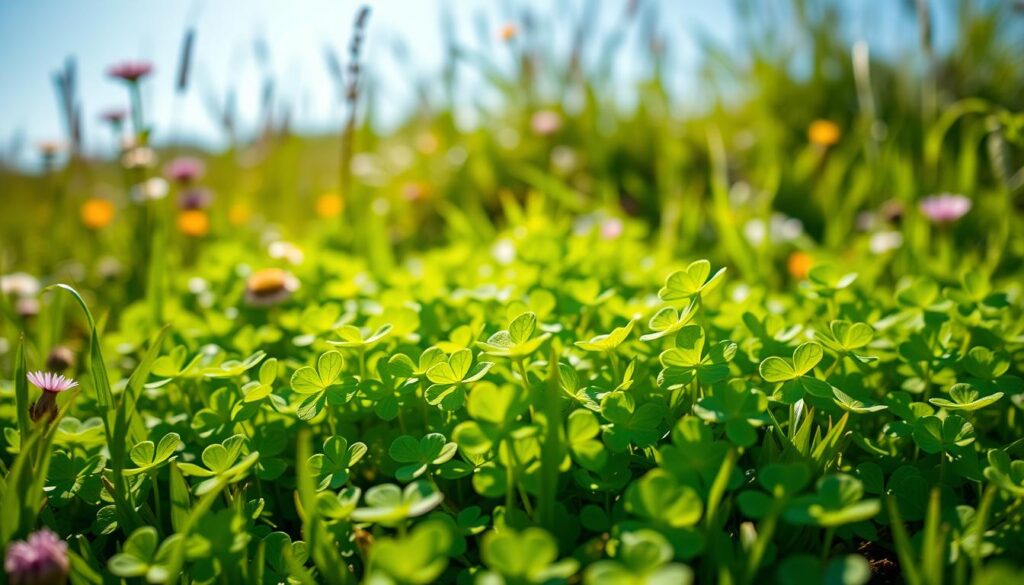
{"points": [[882, 242], [287, 251], [19, 284]]}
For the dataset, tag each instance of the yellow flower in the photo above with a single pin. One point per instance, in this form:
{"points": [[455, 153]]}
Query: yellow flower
{"points": [[194, 223], [97, 213], [329, 205], [238, 214], [823, 133], [508, 32], [799, 264]]}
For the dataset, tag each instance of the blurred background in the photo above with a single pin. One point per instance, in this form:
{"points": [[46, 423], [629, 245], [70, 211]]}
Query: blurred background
{"points": [[762, 134]]}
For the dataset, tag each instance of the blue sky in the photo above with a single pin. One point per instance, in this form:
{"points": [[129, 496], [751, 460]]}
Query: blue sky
{"points": [[37, 36]]}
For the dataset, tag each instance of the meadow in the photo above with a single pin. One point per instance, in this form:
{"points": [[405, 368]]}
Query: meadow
{"points": [[776, 338]]}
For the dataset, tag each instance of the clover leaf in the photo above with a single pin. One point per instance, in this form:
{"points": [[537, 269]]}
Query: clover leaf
{"points": [[661, 500], [949, 435], [846, 338], [1006, 474], [581, 431], [139, 557], [221, 464], [529, 556], [517, 341], [690, 282], [965, 397], [668, 320], [837, 501], [793, 374], [387, 504], [493, 411], [607, 342], [417, 558], [628, 423], [353, 337], [148, 456], [644, 558], [431, 450], [331, 466], [736, 405], [451, 377], [323, 385], [688, 360]]}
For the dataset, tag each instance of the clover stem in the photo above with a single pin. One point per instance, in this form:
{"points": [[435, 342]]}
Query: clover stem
{"points": [[766, 530], [156, 494], [614, 360], [362, 362], [830, 533], [510, 484]]}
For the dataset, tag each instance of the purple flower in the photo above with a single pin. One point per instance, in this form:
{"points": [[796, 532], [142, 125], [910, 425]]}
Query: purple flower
{"points": [[195, 198], [130, 71], [51, 384], [185, 169], [42, 559], [945, 207]]}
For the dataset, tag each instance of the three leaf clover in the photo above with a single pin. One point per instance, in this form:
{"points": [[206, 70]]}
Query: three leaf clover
{"points": [[793, 374], [323, 385], [418, 456], [517, 341]]}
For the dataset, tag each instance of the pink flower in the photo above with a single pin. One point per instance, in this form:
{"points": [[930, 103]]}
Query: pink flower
{"points": [[42, 559], [611, 228], [51, 384], [545, 122], [185, 169], [130, 71], [945, 207]]}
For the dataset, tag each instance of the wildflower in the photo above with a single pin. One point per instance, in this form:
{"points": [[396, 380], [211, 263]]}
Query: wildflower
{"points": [[415, 191], [42, 559], [97, 213], [508, 32], [427, 143], [611, 228], [281, 250], [138, 157], [60, 358], [114, 116], [51, 384], [799, 264], [823, 133], [195, 198], [945, 208], [185, 170], [109, 268], [194, 223], [50, 148], [270, 286], [545, 122], [882, 242], [27, 307], [329, 205], [152, 189], [130, 71], [19, 284], [238, 214]]}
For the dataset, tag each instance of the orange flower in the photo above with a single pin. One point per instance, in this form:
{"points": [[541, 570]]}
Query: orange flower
{"points": [[269, 286], [823, 133], [799, 264], [193, 223], [329, 205], [238, 214], [508, 32], [97, 213]]}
